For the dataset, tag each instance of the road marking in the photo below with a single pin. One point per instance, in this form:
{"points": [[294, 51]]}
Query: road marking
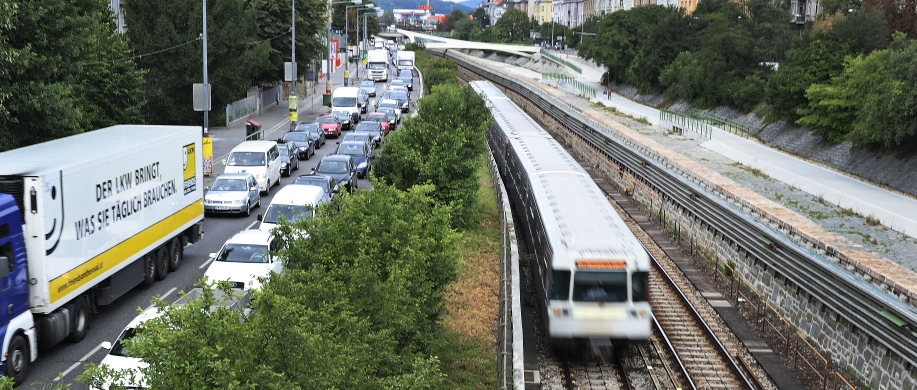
{"points": [[205, 263], [163, 296], [77, 364], [251, 224]]}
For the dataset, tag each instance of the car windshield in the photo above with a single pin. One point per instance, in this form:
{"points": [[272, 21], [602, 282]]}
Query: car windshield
{"points": [[118, 348], [375, 118], [344, 102], [406, 73], [245, 159], [342, 114], [313, 181], [351, 149], [369, 127], [392, 105], [289, 212], [405, 80], [397, 83], [357, 137], [376, 65], [327, 119], [368, 83], [283, 149], [243, 253], [332, 167], [228, 185], [397, 95], [296, 136]]}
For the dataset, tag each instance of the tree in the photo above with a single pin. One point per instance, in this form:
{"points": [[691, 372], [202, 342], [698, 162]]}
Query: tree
{"points": [[466, 28], [901, 15], [235, 54], [273, 20], [452, 20], [61, 76], [480, 15], [674, 33], [512, 27], [618, 38], [441, 146], [387, 18]]}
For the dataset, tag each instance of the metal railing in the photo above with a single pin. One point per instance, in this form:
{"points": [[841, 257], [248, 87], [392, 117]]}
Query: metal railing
{"points": [[815, 267], [271, 96], [570, 84], [240, 109], [681, 123], [722, 122], [561, 61]]}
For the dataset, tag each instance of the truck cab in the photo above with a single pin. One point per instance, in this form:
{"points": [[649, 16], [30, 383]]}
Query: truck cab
{"points": [[14, 291]]}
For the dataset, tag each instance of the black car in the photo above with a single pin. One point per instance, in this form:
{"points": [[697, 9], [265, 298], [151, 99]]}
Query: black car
{"points": [[327, 183], [315, 131], [407, 80], [344, 118], [402, 98], [341, 168], [303, 143], [373, 128], [361, 154], [289, 158]]}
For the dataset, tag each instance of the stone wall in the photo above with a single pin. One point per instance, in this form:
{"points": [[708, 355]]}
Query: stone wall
{"points": [[848, 349]]}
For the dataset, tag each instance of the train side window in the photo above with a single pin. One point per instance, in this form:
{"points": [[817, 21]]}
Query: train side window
{"points": [[560, 285], [6, 259], [640, 286]]}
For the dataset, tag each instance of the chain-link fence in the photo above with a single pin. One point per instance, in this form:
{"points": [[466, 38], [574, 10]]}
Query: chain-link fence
{"points": [[240, 109]]}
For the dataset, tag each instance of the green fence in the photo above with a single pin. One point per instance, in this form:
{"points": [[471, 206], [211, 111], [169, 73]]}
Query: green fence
{"points": [[686, 123], [561, 81], [561, 61], [721, 122]]}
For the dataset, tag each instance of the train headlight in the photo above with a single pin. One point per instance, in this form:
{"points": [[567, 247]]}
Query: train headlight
{"points": [[643, 313], [561, 312]]}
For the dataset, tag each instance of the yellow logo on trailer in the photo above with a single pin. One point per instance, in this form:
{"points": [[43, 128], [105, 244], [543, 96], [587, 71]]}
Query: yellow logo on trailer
{"points": [[189, 168]]}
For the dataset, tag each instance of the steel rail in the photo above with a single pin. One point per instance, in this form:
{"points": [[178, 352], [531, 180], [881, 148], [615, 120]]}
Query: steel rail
{"points": [[836, 288]]}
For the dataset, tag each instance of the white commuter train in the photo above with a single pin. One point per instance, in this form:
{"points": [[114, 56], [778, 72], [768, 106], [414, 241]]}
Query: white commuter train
{"points": [[591, 273]]}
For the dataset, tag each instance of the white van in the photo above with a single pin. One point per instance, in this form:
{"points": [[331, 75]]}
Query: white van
{"points": [[348, 99], [260, 158], [292, 202]]}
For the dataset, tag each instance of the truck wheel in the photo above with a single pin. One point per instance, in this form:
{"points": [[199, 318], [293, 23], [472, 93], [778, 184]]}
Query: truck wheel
{"points": [[17, 361], [80, 320], [162, 264], [149, 269], [176, 252]]}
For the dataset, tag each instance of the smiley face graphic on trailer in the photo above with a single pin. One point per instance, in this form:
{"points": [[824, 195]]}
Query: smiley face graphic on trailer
{"points": [[53, 193]]}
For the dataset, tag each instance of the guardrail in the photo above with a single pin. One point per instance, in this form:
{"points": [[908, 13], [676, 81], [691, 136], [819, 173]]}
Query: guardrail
{"points": [[561, 61], [240, 109], [819, 270], [510, 357]]}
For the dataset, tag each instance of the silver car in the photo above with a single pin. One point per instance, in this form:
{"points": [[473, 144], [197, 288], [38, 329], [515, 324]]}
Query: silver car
{"points": [[232, 193], [369, 87]]}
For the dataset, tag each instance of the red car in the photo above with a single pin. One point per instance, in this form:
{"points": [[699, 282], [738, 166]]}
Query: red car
{"points": [[330, 125], [381, 118]]}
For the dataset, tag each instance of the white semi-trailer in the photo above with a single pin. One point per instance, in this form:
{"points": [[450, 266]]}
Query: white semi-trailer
{"points": [[405, 60], [83, 220]]}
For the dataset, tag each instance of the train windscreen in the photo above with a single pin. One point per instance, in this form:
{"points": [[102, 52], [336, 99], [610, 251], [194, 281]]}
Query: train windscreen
{"points": [[589, 286]]}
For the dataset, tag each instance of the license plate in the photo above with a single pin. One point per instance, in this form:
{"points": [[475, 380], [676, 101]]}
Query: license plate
{"points": [[222, 208]]}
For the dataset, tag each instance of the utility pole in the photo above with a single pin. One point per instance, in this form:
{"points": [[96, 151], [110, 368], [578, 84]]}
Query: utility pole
{"points": [[206, 85], [295, 73]]}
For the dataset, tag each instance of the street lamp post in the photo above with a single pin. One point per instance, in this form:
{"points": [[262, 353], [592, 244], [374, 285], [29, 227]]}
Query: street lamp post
{"points": [[360, 48], [347, 39], [328, 40]]}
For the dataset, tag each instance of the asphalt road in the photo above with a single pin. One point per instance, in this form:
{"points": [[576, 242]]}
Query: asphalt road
{"points": [[68, 359]]}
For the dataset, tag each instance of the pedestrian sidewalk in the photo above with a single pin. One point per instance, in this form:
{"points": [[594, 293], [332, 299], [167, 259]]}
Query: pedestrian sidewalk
{"points": [[896, 211]]}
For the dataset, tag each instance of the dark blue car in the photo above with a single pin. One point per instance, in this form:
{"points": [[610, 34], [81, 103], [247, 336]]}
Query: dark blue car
{"points": [[360, 153]]}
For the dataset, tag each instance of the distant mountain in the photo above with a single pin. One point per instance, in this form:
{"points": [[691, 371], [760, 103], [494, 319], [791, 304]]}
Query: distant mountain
{"points": [[439, 6]]}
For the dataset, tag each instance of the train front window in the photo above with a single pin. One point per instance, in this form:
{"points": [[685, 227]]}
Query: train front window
{"points": [[560, 286], [640, 286], [591, 286]]}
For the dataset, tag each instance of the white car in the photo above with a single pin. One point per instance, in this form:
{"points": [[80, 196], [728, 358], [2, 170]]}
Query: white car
{"points": [[244, 259], [118, 360]]}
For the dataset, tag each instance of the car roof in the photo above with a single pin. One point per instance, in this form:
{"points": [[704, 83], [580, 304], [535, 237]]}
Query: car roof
{"points": [[233, 176], [378, 113], [146, 315], [250, 236], [291, 194], [389, 101], [320, 177]]}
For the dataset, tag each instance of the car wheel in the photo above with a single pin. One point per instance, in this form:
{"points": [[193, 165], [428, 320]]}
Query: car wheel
{"points": [[259, 200], [17, 361], [162, 264], [248, 209], [297, 165], [267, 189], [80, 321]]}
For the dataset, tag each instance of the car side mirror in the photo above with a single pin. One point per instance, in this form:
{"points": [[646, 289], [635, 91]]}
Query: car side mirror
{"points": [[313, 170], [224, 161], [212, 256], [260, 217], [335, 190], [106, 345]]}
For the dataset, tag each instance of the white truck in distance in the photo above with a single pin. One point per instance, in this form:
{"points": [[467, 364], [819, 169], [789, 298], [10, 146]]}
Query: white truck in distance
{"points": [[83, 220], [405, 60], [377, 65]]}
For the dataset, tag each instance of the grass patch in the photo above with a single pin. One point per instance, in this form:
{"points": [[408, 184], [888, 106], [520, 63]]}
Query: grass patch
{"points": [[754, 171], [871, 220], [845, 212], [467, 348], [867, 239], [778, 196], [614, 111]]}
